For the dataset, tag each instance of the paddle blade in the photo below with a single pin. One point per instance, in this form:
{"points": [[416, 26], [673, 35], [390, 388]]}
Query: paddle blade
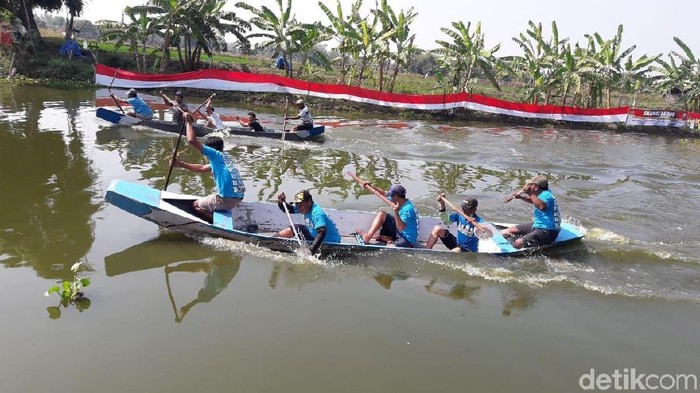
{"points": [[486, 231]]}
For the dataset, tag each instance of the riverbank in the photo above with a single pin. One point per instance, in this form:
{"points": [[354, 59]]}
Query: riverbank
{"points": [[52, 70]]}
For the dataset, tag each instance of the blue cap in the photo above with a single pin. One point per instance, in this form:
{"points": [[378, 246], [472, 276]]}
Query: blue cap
{"points": [[398, 190]]}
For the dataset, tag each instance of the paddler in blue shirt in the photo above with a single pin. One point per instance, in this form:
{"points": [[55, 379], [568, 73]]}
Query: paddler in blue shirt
{"points": [[399, 229], [141, 110], [319, 227], [546, 217], [229, 184], [466, 239]]}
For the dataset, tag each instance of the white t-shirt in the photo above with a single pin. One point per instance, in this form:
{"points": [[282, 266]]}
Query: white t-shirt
{"points": [[305, 116], [216, 120]]}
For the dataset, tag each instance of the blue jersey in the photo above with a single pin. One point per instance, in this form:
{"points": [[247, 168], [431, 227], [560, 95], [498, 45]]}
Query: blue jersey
{"points": [[317, 218], [409, 215], [226, 176], [466, 239], [549, 218], [139, 106]]}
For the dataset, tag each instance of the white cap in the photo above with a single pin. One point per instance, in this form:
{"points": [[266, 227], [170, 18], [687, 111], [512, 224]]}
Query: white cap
{"points": [[299, 101]]}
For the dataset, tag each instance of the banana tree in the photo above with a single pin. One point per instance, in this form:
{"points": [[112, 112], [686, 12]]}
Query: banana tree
{"points": [[634, 74], [541, 62], [274, 29], [402, 38], [306, 39], [135, 34], [685, 75], [609, 58], [343, 29], [465, 53]]}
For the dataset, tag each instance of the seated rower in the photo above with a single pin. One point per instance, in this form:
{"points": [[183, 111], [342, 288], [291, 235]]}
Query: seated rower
{"points": [[466, 239], [399, 229], [253, 122], [141, 110], [319, 227], [213, 118]]}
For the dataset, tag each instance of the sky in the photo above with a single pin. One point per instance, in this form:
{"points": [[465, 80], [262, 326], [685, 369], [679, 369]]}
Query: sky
{"points": [[650, 25]]}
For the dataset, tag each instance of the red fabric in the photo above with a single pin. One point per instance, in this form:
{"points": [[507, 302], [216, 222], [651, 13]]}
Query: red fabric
{"points": [[366, 94]]}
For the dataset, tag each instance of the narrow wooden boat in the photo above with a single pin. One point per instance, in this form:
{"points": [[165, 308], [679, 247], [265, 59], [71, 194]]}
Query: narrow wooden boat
{"points": [[169, 126], [257, 222]]}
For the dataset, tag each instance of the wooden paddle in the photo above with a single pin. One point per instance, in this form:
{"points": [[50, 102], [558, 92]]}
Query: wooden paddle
{"points": [[303, 248], [481, 232], [284, 123], [182, 131], [109, 89], [365, 184], [513, 195]]}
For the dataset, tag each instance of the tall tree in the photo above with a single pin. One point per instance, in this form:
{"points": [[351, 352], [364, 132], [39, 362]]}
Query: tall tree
{"points": [[275, 29], [343, 29], [402, 38], [465, 53], [682, 73]]}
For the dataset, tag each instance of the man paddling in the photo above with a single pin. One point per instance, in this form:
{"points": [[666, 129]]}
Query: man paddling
{"points": [[546, 217], [228, 180], [307, 122], [466, 239], [252, 122], [399, 229], [141, 110], [178, 103], [319, 227]]}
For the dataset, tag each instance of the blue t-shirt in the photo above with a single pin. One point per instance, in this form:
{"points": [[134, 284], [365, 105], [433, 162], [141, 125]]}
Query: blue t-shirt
{"points": [[549, 218], [466, 239], [409, 215], [228, 180], [317, 218], [139, 106]]}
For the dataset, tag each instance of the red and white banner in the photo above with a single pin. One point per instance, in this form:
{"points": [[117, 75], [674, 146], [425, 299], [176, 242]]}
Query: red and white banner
{"points": [[242, 81]]}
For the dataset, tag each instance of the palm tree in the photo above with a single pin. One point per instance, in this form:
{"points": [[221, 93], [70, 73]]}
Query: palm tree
{"points": [[275, 28], [465, 53]]}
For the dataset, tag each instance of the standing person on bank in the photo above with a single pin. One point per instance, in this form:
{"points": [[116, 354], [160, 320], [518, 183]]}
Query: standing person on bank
{"points": [[141, 110], [546, 217], [307, 122], [229, 184]]}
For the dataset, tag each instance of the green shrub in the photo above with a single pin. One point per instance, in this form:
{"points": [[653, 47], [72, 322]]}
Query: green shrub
{"points": [[60, 69]]}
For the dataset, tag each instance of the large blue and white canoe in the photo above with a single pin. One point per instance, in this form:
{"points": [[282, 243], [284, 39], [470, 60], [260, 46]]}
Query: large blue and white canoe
{"points": [[169, 126], [257, 222]]}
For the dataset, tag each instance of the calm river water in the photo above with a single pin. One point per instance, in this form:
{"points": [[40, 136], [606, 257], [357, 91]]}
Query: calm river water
{"points": [[170, 313]]}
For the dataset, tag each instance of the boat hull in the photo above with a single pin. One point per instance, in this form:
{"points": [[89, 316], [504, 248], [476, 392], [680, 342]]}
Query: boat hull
{"points": [[113, 117], [256, 222]]}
